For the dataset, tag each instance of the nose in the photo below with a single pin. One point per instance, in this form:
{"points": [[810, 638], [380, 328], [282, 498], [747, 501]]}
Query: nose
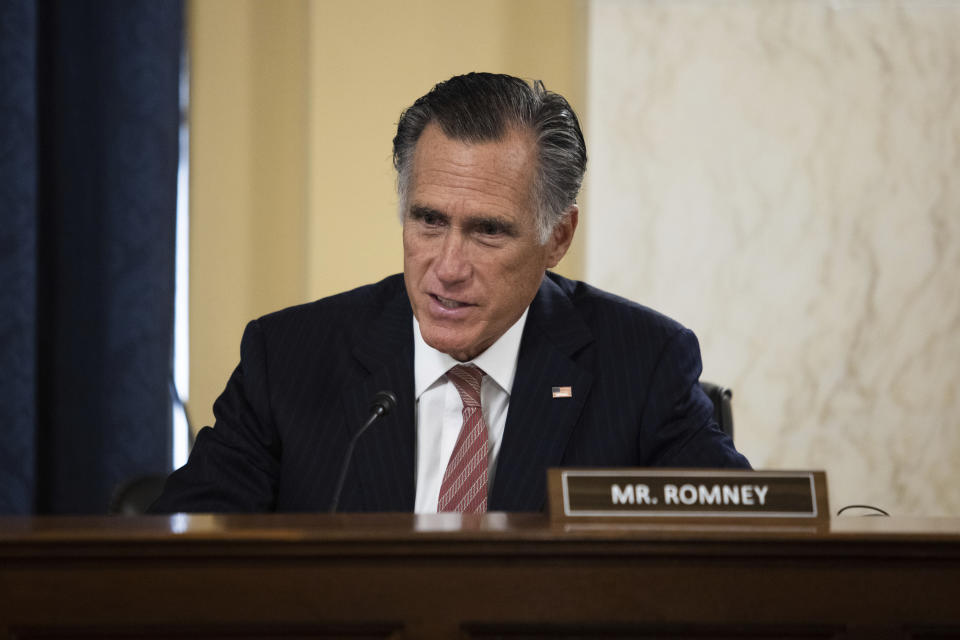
{"points": [[452, 265]]}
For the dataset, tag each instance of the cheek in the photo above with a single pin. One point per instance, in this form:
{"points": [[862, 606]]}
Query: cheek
{"points": [[518, 277], [413, 252], [408, 241], [412, 269]]}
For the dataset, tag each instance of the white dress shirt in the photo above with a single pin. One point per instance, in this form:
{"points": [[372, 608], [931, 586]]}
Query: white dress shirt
{"points": [[439, 414]]}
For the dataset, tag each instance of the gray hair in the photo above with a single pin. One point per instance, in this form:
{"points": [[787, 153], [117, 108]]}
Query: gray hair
{"points": [[482, 107]]}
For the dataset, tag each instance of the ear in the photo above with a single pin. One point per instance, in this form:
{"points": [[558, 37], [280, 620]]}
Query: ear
{"points": [[562, 236]]}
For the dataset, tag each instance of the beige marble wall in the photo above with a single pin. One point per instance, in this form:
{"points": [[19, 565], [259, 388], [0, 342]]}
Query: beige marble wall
{"points": [[784, 178]]}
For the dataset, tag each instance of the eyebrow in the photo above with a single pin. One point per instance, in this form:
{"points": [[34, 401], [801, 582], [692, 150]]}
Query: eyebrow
{"points": [[418, 212]]}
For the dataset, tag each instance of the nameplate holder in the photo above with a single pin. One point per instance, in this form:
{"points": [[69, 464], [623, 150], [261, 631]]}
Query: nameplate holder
{"points": [[581, 494]]}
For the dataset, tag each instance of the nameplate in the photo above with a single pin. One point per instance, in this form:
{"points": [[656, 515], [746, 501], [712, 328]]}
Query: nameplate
{"points": [[687, 493]]}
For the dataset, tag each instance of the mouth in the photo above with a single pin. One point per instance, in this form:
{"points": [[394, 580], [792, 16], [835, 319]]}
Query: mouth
{"points": [[449, 303]]}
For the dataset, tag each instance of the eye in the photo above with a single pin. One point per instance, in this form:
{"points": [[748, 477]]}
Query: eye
{"points": [[428, 218], [490, 228]]}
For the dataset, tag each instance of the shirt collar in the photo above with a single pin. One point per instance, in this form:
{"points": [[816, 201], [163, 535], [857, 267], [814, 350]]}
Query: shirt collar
{"points": [[499, 361]]}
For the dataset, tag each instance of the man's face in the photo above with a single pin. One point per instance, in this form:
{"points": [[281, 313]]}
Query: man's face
{"points": [[472, 260]]}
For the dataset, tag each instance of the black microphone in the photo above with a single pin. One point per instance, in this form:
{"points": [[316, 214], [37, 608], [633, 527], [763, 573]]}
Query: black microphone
{"points": [[382, 403]]}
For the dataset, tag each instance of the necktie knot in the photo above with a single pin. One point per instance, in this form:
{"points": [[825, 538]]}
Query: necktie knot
{"points": [[467, 378]]}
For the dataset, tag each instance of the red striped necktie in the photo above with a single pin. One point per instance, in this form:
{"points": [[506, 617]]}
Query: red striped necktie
{"points": [[464, 485]]}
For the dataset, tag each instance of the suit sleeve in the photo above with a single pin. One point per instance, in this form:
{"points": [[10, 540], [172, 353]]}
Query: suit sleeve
{"points": [[678, 426], [234, 466]]}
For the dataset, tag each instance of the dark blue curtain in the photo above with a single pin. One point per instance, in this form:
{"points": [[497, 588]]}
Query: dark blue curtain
{"points": [[89, 117]]}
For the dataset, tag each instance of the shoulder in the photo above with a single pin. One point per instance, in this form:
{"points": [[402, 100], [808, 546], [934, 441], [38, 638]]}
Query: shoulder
{"points": [[333, 323], [613, 317], [319, 339], [354, 307]]}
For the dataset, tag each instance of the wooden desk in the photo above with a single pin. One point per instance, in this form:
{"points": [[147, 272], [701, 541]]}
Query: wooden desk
{"points": [[443, 576]]}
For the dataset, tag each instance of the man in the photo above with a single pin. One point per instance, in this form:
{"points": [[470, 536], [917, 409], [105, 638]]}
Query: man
{"points": [[557, 373]]}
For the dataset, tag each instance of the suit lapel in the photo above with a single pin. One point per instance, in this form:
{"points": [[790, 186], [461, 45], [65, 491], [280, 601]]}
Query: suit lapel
{"points": [[383, 474], [539, 425]]}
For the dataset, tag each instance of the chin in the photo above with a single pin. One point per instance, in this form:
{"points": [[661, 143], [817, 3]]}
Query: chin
{"points": [[454, 348]]}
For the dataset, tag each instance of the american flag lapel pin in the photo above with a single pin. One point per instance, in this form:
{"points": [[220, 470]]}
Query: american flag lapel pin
{"points": [[562, 392]]}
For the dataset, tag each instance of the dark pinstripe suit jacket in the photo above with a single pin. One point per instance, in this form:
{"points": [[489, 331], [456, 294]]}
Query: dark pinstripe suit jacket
{"points": [[307, 374]]}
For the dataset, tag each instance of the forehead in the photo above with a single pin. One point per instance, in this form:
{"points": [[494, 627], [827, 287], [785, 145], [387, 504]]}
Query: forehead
{"points": [[474, 177]]}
